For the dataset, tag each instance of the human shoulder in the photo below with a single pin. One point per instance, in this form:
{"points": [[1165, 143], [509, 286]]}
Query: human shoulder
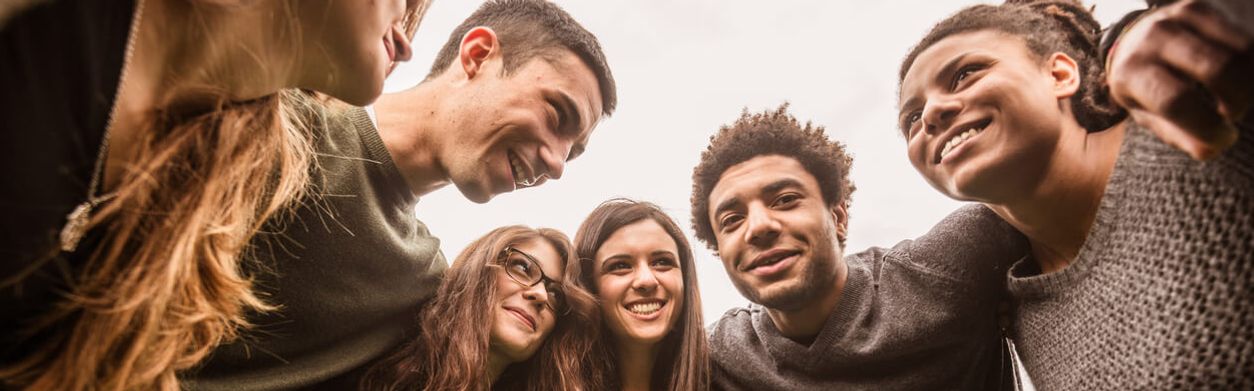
{"points": [[970, 244], [735, 325]]}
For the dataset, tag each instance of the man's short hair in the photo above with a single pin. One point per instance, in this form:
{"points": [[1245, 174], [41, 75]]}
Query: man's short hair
{"points": [[528, 29], [772, 132]]}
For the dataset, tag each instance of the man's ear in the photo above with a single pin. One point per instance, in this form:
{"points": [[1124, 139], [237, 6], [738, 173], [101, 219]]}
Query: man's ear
{"points": [[1065, 73], [478, 45], [840, 214]]}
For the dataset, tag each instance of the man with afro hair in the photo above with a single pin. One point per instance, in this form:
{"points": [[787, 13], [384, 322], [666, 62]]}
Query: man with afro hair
{"points": [[771, 197]]}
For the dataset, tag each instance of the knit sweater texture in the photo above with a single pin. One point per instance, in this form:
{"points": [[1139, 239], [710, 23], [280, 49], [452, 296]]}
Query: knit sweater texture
{"points": [[919, 316], [1161, 295]]}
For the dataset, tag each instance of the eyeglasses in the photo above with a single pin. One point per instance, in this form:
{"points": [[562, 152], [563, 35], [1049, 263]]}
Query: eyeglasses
{"points": [[525, 270]]}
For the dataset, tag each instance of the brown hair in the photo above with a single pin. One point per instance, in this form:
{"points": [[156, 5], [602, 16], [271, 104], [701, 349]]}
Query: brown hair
{"points": [[772, 132], [683, 362], [1047, 26], [528, 29], [451, 350], [165, 286]]}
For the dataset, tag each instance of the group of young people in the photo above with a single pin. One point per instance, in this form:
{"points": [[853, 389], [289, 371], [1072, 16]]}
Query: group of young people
{"points": [[195, 198]]}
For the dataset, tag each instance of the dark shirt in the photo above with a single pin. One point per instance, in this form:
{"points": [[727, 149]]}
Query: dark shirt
{"points": [[349, 271], [60, 62], [1161, 294], [922, 315]]}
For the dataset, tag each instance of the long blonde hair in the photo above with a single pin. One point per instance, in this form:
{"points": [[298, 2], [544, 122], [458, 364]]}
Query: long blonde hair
{"points": [[165, 286]]}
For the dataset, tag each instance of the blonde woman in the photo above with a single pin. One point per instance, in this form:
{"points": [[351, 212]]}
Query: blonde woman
{"points": [[144, 142]]}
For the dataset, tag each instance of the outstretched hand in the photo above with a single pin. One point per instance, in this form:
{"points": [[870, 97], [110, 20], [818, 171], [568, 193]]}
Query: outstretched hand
{"points": [[1186, 72]]}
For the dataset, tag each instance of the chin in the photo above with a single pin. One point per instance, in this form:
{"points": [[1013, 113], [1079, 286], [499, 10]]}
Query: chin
{"points": [[474, 193], [360, 96]]}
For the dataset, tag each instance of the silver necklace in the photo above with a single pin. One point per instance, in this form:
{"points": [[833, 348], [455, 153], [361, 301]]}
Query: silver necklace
{"points": [[77, 221]]}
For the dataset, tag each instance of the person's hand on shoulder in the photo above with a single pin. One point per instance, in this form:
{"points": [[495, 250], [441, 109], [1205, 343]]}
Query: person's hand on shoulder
{"points": [[1186, 72]]}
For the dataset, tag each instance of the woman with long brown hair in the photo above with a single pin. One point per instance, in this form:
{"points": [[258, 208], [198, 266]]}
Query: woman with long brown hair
{"points": [[506, 316], [145, 142], [638, 264]]}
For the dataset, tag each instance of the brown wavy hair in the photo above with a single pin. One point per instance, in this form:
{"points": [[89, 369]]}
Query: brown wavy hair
{"points": [[683, 362], [451, 350], [165, 285], [1047, 26]]}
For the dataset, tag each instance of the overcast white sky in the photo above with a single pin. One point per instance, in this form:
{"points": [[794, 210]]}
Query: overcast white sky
{"points": [[686, 67]]}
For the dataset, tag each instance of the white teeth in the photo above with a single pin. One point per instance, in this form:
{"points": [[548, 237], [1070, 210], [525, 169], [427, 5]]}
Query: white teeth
{"points": [[646, 308], [519, 177], [958, 140]]}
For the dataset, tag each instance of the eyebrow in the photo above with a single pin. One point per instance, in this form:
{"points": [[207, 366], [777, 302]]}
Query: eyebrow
{"points": [[950, 66], [773, 187], [940, 78]]}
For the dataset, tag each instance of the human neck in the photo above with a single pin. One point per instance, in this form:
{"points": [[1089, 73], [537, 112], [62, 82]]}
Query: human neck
{"points": [[233, 49], [803, 324], [635, 364], [1074, 183], [496, 365], [186, 59], [409, 124]]}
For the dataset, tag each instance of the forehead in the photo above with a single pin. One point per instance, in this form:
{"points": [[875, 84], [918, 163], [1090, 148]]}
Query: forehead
{"points": [[928, 64], [748, 179], [544, 253], [644, 236], [564, 71]]}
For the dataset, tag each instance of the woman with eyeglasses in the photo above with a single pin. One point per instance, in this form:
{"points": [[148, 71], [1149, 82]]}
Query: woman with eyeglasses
{"points": [[636, 261], [506, 316]]}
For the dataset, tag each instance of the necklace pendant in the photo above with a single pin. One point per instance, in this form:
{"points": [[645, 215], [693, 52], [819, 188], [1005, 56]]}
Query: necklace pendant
{"points": [[75, 226]]}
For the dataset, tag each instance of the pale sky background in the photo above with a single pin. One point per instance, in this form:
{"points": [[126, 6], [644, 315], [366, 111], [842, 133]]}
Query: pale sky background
{"points": [[685, 67]]}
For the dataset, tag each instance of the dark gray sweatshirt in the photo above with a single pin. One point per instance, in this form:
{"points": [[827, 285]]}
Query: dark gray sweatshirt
{"points": [[919, 316]]}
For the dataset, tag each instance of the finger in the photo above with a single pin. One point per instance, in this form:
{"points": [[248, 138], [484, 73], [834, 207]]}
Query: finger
{"points": [[1210, 23], [1185, 140], [1163, 92], [1224, 73]]}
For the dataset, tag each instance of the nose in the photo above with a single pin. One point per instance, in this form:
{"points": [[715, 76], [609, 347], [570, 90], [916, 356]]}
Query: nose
{"points": [[554, 158], [762, 228], [644, 281], [536, 294], [939, 114], [403, 51]]}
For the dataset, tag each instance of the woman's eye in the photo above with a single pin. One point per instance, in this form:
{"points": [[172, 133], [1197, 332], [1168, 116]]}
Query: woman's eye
{"points": [[963, 73], [520, 265], [616, 266], [664, 262]]}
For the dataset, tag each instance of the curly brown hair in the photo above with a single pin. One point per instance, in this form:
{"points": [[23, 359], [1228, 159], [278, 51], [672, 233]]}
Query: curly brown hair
{"points": [[772, 132], [1047, 26]]}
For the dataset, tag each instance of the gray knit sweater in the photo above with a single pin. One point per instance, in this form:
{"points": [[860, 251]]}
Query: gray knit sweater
{"points": [[1160, 296], [919, 316]]}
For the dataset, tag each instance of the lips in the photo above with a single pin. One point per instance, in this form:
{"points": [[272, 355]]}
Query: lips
{"points": [[645, 307], [523, 316], [769, 258], [523, 175], [956, 136]]}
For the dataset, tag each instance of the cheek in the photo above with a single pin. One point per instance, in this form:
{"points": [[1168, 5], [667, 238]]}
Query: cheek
{"points": [[916, 151], [611, 289]]}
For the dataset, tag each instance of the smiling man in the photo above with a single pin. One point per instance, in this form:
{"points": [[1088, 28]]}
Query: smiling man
{"points": [[771, 197], [512, 96]]}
